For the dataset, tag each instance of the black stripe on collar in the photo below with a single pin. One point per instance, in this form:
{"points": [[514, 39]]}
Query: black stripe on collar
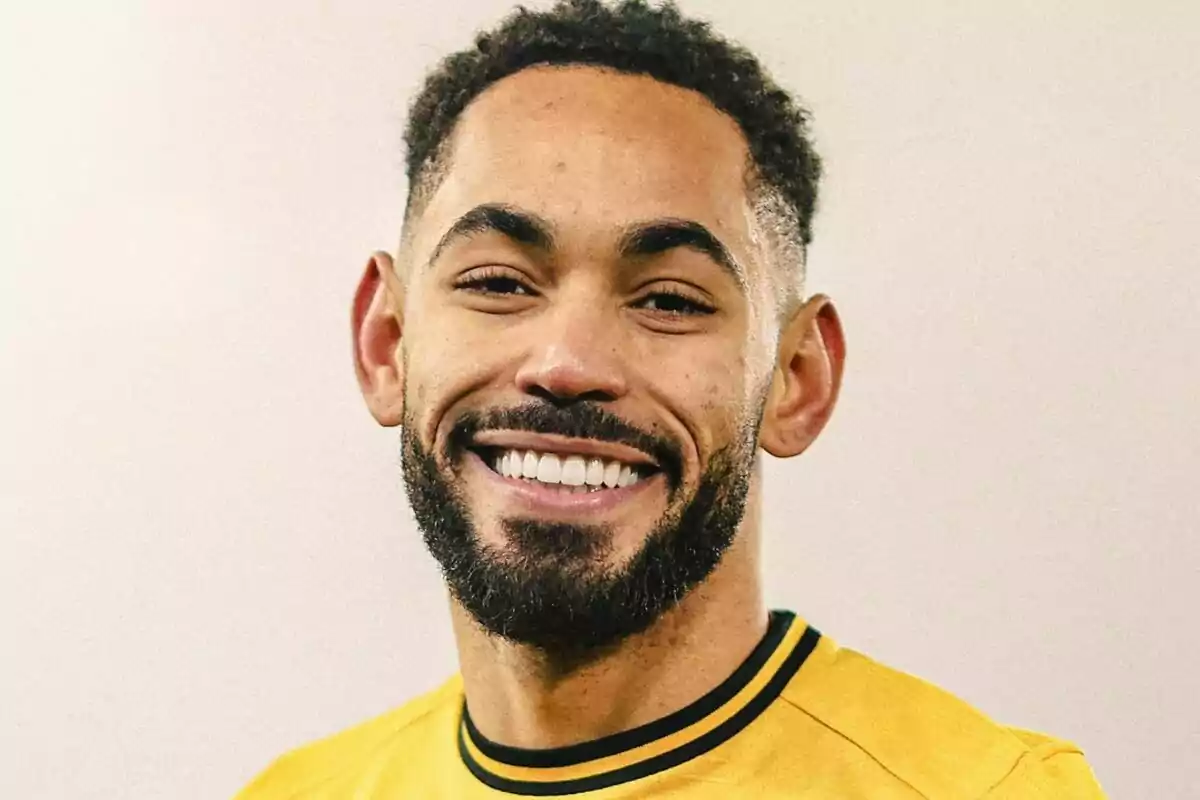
{"points": [[572, 755]]}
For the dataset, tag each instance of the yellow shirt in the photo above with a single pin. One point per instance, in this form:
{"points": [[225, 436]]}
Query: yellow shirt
{"points": [[801, 718]]}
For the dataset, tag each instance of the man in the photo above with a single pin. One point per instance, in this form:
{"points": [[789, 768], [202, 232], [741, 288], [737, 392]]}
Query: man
{"points": [[594, 322]]}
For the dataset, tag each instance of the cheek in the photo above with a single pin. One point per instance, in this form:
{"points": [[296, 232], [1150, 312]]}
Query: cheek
{"points": [[706, 384], [445, 358]]}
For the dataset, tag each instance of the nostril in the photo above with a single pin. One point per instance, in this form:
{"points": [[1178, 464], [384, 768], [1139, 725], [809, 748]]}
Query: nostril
{"points": [[565, 400]]}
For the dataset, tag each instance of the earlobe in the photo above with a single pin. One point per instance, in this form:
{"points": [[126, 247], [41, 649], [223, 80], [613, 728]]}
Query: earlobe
{"points": [[807, 379], [376, 327]]}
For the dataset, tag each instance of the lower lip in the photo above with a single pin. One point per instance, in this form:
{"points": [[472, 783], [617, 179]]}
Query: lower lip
{"points": [[541, 497]]}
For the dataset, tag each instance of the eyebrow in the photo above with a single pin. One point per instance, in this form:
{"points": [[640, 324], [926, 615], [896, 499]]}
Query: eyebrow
{"points": [[661, 235], [520, 226], [639, 240]]}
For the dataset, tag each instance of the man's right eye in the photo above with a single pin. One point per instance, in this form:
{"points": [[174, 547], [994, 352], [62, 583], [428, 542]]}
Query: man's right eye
{"points": [[493, 282], [495, 286]]}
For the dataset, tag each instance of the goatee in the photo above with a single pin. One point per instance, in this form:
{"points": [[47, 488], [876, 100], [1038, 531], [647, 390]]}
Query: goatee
{"points": [[553, 586]]}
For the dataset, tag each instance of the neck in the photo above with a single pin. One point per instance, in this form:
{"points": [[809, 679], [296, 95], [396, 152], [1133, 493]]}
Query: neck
{"points": [[517, 699]]}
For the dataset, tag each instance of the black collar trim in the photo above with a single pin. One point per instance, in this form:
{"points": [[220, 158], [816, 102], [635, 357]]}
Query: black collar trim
{"points": [[569, 765]]}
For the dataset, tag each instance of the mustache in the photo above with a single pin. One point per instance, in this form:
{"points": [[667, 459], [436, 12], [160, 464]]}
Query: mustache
{"points": [[582, 420]]}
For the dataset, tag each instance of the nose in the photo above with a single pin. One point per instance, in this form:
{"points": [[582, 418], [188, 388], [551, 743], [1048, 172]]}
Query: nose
{"points": [[575, 356]]}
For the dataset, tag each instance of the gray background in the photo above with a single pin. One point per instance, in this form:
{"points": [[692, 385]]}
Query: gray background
{"points": [[207, 554]]}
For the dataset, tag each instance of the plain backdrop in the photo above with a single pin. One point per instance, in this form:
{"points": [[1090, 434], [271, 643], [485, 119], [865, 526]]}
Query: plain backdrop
{"points": [[207, 554]]}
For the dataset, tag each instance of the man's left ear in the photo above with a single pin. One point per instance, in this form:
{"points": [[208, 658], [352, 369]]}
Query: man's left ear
{"points": [[807, 379]]}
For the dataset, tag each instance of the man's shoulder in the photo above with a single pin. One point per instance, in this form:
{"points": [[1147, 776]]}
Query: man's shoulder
{"points": [[349, 753], [928, 738], [1050, 768]]}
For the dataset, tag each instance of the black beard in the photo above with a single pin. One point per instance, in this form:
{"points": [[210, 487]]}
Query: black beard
{"points": [[551, 588]]}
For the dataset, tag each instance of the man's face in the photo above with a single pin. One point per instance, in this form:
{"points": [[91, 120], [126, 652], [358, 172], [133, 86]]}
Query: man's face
{"points": [[588, 336]]}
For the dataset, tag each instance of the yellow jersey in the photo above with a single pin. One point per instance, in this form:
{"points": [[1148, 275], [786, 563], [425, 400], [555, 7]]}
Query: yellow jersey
{"points": [[800, 718]]}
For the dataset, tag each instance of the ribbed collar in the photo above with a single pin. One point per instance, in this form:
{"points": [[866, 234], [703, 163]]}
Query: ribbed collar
{"points": [[656, 746]]}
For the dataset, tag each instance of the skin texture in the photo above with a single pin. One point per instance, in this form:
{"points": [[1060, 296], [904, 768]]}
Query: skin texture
{"points": [[593, 152]]}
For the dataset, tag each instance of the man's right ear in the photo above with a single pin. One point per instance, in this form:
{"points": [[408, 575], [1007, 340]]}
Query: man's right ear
{"points": [[377, 321]]}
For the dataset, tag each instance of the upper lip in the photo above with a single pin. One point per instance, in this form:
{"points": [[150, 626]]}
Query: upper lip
{"points": [[563, 445]]}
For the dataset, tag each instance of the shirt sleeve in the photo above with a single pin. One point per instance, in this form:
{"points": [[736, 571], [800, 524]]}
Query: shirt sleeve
{"points": [[1060, 775]]}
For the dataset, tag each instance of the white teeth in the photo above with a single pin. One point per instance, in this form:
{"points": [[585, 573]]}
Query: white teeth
{"points": [[611, 473], [529, 465], [626, 477], [595, 472], [549, 469], [580, 473], [574, 471]]}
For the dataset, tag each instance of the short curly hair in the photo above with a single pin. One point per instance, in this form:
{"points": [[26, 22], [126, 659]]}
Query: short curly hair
{"points": [[636, 38]]}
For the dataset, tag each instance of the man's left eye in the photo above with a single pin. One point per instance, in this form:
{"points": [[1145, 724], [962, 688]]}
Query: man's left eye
{"points": [[674, 304]]}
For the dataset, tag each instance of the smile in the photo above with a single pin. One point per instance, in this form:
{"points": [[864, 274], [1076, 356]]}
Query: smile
{"points": [[544, 482], [578, 473]]}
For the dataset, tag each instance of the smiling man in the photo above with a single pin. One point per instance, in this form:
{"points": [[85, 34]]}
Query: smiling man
{"points": [[594, 325]]}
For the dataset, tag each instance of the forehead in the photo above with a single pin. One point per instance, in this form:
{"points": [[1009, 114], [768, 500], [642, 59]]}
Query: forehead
{"points": [[592, 150]]}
